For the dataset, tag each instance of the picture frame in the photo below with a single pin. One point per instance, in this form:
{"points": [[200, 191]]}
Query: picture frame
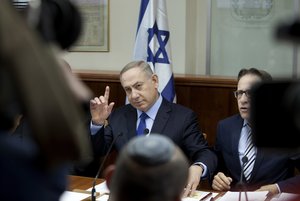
{"points": [[95, 26]]}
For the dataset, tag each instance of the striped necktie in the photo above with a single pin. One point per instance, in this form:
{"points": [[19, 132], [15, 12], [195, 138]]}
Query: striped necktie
{"points": [[250, 154], [142, 125]]}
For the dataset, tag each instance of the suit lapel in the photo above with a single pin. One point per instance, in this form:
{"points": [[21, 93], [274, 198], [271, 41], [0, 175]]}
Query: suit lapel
{"points": [[237, 128], [131, 116], [257, 163], [162, 117]]}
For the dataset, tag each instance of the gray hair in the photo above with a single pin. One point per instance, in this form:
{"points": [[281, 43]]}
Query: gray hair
{"points": [[144, 66]]}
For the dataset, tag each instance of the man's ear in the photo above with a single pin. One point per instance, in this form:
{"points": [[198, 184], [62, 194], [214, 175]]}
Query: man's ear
{"points": [[154, 78], [108, 173]]}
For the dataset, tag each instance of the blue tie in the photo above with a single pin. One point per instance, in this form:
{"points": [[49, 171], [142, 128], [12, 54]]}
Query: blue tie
{"points": [[142, 125]]}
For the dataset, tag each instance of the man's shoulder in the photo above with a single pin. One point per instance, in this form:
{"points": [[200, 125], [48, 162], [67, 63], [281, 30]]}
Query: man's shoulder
{"points": [[122, 112], [124, 108], [182, 107], [232, 119], [177, 107], [230, 124]]}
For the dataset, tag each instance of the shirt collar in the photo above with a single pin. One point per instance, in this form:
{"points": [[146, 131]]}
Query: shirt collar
{"points": [[245, 123], [153, 110]]}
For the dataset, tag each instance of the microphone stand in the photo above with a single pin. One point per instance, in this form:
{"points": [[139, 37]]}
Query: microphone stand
{"points": [[241, 183], [93, 193]]}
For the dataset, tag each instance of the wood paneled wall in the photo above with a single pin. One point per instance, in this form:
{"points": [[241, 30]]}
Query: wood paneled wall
{"points": [[210, 97]]}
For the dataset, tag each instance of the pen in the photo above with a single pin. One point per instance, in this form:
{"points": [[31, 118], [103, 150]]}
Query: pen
{"points": [[205, 197], [217, 196], [269, 196]]}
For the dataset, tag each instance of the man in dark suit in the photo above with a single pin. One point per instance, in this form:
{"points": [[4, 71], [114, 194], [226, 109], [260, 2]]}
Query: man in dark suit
{"points": [[263, 169], [172, 120], [291, 185]]}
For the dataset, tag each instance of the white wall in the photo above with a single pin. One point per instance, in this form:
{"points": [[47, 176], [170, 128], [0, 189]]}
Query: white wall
{"points": [[196, 32], [123, 23]]}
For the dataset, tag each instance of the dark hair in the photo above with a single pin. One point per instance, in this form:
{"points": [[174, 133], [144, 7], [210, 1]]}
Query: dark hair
{"points": [[263, 75], [143, 163]]}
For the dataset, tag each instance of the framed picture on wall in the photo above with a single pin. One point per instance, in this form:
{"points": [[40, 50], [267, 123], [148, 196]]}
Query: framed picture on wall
{"points": [[95, 26]]}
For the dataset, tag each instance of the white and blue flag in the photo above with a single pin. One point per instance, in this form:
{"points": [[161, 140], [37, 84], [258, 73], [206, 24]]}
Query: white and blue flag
{"points": [[152, 44]]}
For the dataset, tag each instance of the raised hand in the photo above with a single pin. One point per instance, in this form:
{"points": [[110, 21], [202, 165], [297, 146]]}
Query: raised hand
{"points": [[100, 108]]}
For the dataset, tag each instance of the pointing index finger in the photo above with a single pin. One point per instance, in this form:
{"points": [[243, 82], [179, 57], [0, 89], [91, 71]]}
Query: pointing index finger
{"points": [[106, 93]]}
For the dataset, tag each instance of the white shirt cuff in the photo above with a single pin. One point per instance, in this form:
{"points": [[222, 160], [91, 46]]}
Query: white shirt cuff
{"points": [[204, 168], [95, 128], [278, 188]]}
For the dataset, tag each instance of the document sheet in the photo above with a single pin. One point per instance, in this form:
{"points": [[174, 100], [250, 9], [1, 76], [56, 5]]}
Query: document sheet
{"points": [[198, 196]]}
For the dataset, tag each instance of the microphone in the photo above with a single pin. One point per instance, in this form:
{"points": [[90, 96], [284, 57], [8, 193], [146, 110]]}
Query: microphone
{"points": [[244, 160], [241, 182], [93, 196], [146, 131]]}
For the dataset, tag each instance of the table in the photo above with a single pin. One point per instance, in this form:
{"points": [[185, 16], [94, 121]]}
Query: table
{"points": [[82, 183]]}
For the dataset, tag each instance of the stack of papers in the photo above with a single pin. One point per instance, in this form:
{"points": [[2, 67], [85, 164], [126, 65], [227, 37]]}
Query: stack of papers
{"points": [[70, 195], [252, 196], [257, 196], [228, 196], [199, 195], [77, 196]]}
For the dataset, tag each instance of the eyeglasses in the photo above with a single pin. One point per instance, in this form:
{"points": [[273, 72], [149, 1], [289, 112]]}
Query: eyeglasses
{"points": [[239, 93]]}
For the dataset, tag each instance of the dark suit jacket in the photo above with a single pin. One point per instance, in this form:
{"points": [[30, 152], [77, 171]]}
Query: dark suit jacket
{"points": [[271, 166], [291, 185], [23, 177], [175, 121]]}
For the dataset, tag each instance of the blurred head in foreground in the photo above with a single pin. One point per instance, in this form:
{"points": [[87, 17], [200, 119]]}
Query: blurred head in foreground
{"points": [[149, 168]]}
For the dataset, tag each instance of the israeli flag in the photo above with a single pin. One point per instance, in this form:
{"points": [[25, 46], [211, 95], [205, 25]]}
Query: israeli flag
{"points": [[152, 44]]}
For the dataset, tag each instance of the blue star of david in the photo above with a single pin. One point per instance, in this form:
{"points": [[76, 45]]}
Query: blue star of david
{"points": [[162, 37]]}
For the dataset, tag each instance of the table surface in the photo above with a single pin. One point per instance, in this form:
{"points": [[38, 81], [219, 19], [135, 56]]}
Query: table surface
{"points": [[82, 183]]}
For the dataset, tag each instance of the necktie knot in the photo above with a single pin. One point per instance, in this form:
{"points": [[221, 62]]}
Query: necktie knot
{"points": [[144, 116], [249, 131], [142, 125]]}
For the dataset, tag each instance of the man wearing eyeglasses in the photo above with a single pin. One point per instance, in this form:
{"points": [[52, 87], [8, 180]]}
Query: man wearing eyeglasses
{"points": [[241, 164]]}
